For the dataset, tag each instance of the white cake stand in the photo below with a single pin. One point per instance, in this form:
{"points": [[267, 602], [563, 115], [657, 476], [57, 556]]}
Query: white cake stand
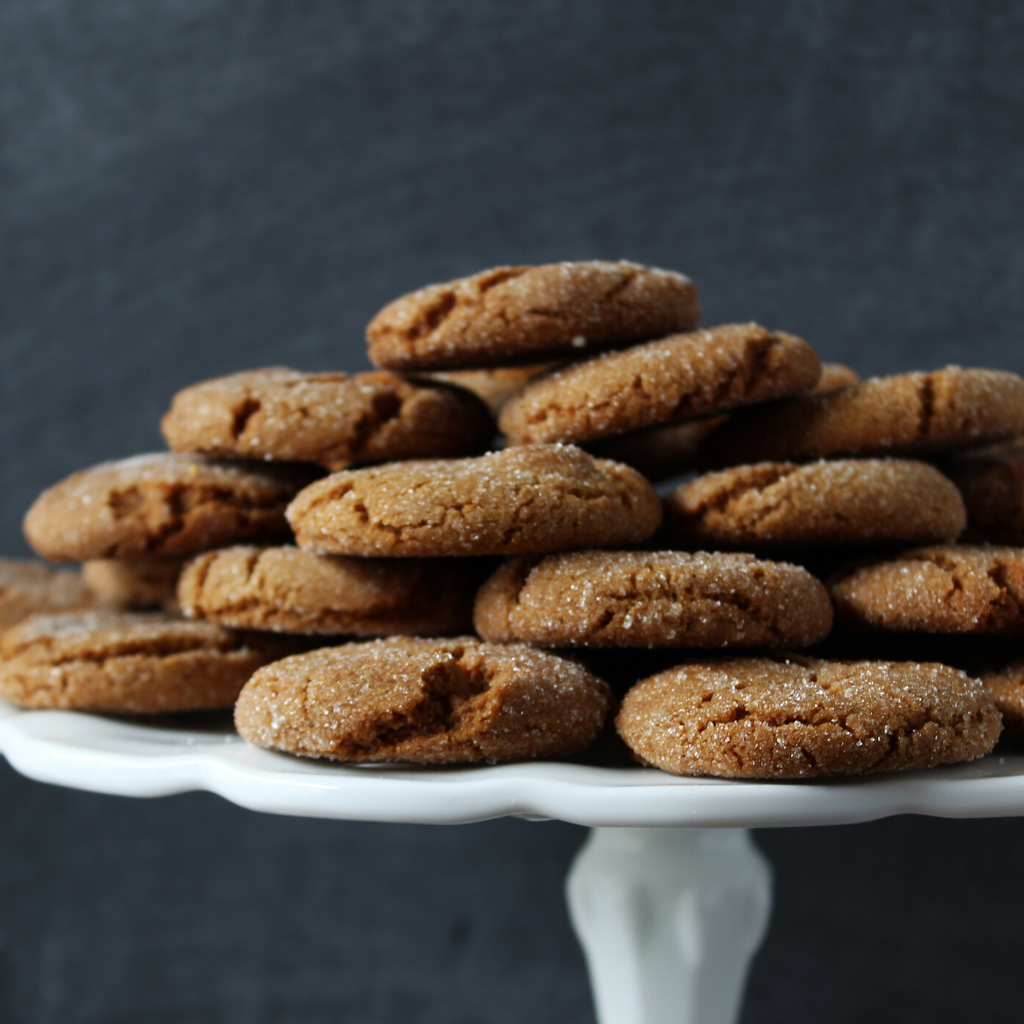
{"points": [[669, 897]]}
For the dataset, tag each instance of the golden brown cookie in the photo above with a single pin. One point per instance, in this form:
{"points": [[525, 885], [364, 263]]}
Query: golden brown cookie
{"points": [[336, 419], [293, 591], [493, 387], [162, 504], [948, 589], [124, 662], [991, 481], [909, 414], [834, 376], [135, 583], [674, 378], [652, 599], [429, 701], [28, 587], [846, 501], [761, 718], [532, 499], [1005, 686], [528, 314]]}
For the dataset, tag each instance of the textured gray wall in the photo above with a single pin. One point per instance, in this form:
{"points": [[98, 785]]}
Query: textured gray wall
{"points": [[193, 187]]}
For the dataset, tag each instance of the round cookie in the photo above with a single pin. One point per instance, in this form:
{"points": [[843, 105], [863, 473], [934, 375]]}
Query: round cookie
{"points": [[336, 419], [493, 387], [533, 499], [761, 718], [293, 591], [529, 314], [845, 501], [835, 376], [128, 663], [162, 504], [947, 589], [1006, 688], [135, 583], [909, 414], [674, 378], [429, 701], [652, 599], [992, 484], [28, 588]]}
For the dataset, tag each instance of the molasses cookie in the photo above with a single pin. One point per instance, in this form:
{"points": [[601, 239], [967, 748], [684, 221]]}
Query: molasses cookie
{"points": [[493, 387], [293, 591], [163, 504], [429, 701], [336, 419], [128, 663], [762, 718], [28, 588], [652, 599], [1006, 687], [526, 500], [135, 583], [910, 414], [674, 378], [846, 501], [951, 589], [528, 314], [992, 484]]}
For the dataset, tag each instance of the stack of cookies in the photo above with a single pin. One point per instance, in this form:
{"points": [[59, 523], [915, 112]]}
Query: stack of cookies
{"points": [[322, 546]]}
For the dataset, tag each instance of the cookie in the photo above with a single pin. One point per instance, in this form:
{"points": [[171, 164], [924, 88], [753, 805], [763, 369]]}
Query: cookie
{"points": [[992, 484], [529, 314], [28, 587], [163, 504], [1005, 686], [762, 718], [950, 589], [909, 414], [126, 662], [533, 499], [666, 451], [846, 501], [428, 701], [493, 387], [336, 419], [652, 599], [292, 591], [674, 378], [135, 583]]}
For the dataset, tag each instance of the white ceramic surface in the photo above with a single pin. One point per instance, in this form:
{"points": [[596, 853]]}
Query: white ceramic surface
{"points": [[134, 758]]}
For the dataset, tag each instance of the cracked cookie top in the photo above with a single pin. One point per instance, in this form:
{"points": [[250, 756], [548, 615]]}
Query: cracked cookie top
{"points": [[652, 599], [427, 701], [288, 590], [946, 589], [790, 718], [527, 500], [162, 504], [674, 378], [844, 501], [336, 419], [909, 414], [529, 314]]}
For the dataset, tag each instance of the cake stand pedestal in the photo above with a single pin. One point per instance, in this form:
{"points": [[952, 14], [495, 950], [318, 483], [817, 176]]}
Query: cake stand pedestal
{"points": [[668, 895]]}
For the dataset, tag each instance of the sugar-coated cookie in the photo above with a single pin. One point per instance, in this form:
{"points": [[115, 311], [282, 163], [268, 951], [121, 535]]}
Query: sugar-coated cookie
{"points": [[493, 387], [1005, 686], [429, 701], [843, 501], [992, 483], [135, 583], [127, 662], [336, 419], [529, 314], [761, 718], [289, 590], [652, 599], [532, 499], [162, 504], [28, 588], [943, 589], [909, 414], [673, 378]]}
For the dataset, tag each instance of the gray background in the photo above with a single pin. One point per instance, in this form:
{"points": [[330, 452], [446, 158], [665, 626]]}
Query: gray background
{"points": [[190, 187]]}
